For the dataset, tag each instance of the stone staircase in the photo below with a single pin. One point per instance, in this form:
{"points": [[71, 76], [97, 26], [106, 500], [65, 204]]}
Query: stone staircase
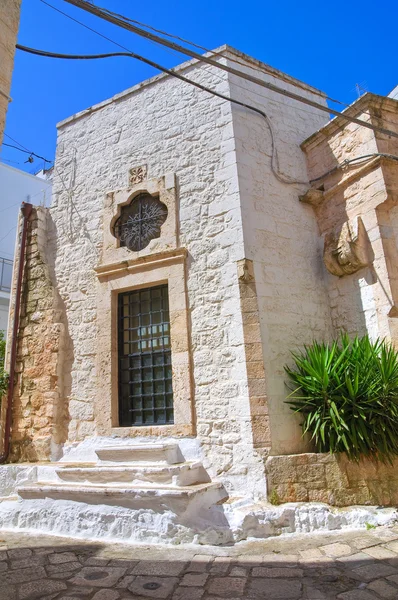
{"points": [[142, 489]]}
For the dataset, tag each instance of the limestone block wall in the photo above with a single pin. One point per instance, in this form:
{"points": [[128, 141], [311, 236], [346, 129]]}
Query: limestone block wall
{"points": [[366, 299], [332, 479], [172, 128], [281, 235], [9, 23], [39, 417]]}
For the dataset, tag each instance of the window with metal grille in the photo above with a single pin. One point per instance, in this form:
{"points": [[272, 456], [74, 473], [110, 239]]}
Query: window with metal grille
{"points": [[145, 381], [140, 222]]}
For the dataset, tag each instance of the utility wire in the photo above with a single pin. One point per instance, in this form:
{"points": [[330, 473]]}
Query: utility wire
{"points": [[348, 161], [266, 68], [274, 156], [27, 151], [105, 15], [16, 141]]}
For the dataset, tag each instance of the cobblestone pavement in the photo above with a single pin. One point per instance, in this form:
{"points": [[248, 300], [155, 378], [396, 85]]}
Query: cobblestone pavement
{"points": [[345, 566]]}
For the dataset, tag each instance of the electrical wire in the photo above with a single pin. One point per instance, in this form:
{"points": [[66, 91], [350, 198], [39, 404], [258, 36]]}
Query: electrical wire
{"points": [[265, 67], [8, 233], [274, 157], [27, 151], [348, 161], [105, 15], [16, 141]]}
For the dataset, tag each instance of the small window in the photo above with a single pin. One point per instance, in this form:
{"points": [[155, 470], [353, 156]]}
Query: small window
{"points": [[140, 222], [145, 377]]}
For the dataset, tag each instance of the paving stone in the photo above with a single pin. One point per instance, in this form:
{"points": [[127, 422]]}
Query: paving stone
{"points": [[200, 563], [393, 578], [3, 555], [313, 593], [106, 595], [24, 563], [354, 560], [392, 546], [3, 566], [383, 589], [361, 542], [81, 592], [336, 550], [373, 571], [125, 582], [165, 586], [7, 592], [22, 575], [274, 589], [288, 559], [194, 579], [62, 557], [63, 567], [160, 568], [357, 595], [184, 593], [229, 587], [312, 553], [239, 572], [19, 553], [221, 565], [36, 589], [92, 561], [276, 572], [98, 576], [252, 561], [66, 575], [380, 552]]}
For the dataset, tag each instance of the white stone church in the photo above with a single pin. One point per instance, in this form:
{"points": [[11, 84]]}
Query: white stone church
{"points": [[186, 253]]}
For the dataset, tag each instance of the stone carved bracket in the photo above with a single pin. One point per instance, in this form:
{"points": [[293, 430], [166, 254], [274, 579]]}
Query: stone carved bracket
{"points": [[347, 249], [245, 270]]}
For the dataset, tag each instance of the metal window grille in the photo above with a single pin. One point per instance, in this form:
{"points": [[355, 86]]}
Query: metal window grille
{"points": [[5, 274], [145, 379], [140, 222]]}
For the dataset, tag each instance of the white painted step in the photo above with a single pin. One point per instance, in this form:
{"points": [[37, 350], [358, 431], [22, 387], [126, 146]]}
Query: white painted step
{"points": [[147, 453], [155, 498], [184, 474]]}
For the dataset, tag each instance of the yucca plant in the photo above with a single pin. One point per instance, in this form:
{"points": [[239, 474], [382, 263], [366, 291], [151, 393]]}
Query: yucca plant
{"points": [[347, 394]]}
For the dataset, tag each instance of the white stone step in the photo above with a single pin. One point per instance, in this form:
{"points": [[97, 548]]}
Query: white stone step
{"points": [[156, 498], [147, 453], [184, 474]]}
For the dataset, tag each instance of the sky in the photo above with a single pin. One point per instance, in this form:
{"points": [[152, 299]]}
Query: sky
{"points": [[332, 46]]}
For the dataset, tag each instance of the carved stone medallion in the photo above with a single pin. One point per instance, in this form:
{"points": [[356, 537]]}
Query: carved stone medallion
{"points": [[140, 222]]}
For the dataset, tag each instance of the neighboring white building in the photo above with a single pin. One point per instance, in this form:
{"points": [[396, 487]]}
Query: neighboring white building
{"points": [[16, 187]]}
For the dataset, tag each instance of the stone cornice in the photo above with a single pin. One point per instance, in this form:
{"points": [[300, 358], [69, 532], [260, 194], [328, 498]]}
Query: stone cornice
{"points": [[366, 101], [159, 259]]}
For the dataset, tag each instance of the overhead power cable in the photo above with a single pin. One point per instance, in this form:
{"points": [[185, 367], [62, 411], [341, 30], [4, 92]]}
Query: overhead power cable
{"points": [[274, 156], [107, 16], [267, 69], [27, 152]]}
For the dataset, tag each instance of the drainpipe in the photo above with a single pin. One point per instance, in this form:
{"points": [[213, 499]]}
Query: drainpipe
{"points": [[26, 210]]}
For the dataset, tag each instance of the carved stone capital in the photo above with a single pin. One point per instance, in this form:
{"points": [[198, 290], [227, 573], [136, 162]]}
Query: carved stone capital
{"points": [[245, 270], [313, 197], [347, 249]]}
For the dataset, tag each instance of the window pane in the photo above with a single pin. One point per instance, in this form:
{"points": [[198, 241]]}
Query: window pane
{"points": [[145, 386]]}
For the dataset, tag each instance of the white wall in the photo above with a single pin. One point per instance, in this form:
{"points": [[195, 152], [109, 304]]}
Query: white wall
{"points": [[281, 236], [16, 187]]}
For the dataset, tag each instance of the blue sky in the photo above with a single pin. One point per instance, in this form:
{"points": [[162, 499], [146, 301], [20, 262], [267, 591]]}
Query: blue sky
{"points": [[330, 46]]}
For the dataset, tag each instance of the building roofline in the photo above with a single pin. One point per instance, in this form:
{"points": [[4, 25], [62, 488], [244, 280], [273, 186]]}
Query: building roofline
{"points": [[29, 175], [220, 52], [353, 110]]}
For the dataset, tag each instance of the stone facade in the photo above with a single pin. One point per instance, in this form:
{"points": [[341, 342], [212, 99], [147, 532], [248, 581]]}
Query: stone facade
{"points": [[241, 255], [39, 413], [357, 216], [9, 23], [332, 479]]}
